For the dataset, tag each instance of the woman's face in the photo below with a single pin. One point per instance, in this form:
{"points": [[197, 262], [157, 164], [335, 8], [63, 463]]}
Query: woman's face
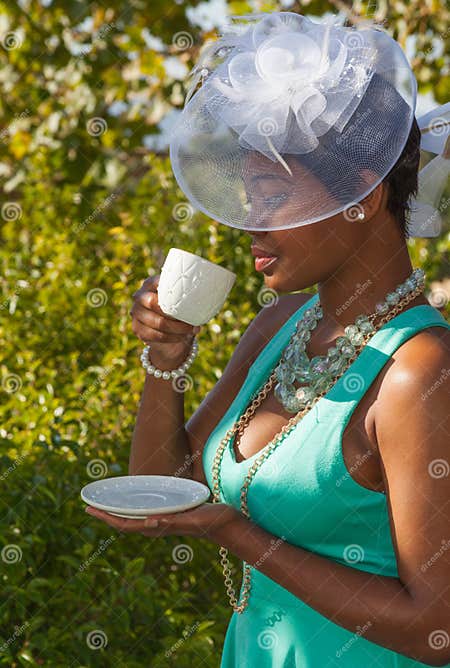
{"points": [[306, 254]]}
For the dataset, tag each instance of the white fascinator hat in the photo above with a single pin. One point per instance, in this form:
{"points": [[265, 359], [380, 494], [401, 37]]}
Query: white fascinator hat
{"points": [[291, 113]]}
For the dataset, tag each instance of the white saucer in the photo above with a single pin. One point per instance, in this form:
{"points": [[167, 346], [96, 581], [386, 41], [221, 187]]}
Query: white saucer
{"points": [[138, 496]]}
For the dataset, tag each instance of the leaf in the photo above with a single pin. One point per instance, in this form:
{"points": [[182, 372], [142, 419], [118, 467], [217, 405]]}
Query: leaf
{"points": [[37, 583], [134, 567], [26, 658], [67, 559], [47, 492]]}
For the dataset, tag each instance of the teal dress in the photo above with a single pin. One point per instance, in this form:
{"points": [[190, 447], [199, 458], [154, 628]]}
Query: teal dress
{"points": [[304, 493]]}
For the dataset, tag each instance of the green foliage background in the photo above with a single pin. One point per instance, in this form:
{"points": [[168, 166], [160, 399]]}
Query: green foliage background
{"points": [[85, 217]]}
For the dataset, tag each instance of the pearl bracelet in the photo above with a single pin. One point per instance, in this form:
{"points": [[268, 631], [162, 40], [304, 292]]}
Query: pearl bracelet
{"points": [[174, 373]]}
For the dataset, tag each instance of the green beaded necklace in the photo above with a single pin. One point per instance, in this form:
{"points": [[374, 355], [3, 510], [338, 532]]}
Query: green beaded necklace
{"points": [[318, 373]]}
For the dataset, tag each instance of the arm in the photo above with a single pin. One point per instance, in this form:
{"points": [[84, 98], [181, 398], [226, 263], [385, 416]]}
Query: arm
{"points": [[408, 614], [411, 614], [162, 443], [159, 445]]}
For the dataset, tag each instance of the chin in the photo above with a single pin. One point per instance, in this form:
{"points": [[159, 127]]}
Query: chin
{"points": [[275, 281], [278, 281]]}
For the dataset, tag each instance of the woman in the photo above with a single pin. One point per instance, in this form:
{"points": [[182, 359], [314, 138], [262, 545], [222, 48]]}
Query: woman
{"points": [[343, 522]]}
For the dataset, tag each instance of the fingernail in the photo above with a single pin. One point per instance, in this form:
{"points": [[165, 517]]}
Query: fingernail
{"points": [[197, 329], [151, 523]]}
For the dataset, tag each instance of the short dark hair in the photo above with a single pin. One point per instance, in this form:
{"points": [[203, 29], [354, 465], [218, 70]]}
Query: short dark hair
{"points": [[379, 120], [402, 180]]}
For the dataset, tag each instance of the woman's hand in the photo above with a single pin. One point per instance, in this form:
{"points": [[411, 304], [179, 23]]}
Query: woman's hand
{"points": [[170, 338], [205, 521]]}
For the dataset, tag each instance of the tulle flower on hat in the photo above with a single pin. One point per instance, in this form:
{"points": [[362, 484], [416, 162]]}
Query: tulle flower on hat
{"points": [[314, 73], [331, 105]]}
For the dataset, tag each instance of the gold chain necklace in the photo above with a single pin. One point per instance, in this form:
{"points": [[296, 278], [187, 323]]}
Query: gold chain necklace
{"points": [[267, 450]]}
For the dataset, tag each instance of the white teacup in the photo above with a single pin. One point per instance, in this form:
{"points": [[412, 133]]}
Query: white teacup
{"points": [[191, 288]]}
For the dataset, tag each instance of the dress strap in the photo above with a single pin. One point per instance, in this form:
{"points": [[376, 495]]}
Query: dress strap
{"points": [[352, 385], [358, 377]]}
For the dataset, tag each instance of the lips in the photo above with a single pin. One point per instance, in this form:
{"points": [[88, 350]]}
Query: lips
{"points": [[262, 262], [260, 252]]}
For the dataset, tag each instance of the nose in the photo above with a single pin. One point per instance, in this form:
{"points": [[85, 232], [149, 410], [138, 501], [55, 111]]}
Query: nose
{"points": [[255, 235], [257, 215]]}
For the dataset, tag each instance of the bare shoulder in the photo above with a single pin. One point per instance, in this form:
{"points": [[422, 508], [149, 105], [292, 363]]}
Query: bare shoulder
{"points": [[415, 385], [419, 358]]}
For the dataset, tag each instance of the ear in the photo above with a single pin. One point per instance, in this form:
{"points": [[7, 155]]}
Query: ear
{"points": [[376, 199]]}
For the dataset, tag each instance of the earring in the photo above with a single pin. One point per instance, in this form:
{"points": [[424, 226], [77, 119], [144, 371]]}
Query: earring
{"points": [[361, 216]]}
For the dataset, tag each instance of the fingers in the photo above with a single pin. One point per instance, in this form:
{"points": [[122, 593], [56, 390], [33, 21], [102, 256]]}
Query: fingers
{"points": [[147, 310], [161, 322], [147, 299], [147, 295], [146, 525], [150, 335], [120, 523], [149, 284]]}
